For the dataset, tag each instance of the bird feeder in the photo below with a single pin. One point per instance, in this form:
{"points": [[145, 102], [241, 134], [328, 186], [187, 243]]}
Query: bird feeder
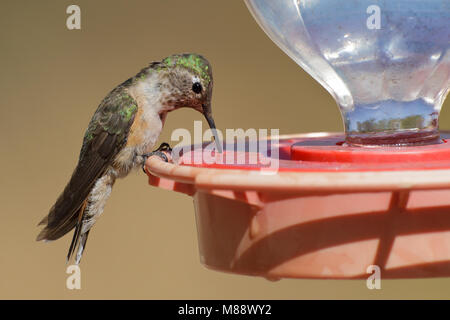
{"points": [[338, 204]]}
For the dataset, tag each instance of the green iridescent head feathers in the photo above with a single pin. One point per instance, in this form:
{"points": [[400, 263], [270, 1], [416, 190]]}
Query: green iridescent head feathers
{"points": [[194, 62]]}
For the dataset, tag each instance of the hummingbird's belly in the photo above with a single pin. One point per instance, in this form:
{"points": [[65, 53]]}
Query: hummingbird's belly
{"points": [[143, 135]]}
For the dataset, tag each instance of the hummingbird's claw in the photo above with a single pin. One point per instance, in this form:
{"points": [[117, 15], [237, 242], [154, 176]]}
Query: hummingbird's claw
{"points": [[164, 147], [160, 152]]}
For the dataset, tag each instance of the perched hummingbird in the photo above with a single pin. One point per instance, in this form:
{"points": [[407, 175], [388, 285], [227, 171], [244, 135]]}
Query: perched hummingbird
{"points": [[120, 137]]}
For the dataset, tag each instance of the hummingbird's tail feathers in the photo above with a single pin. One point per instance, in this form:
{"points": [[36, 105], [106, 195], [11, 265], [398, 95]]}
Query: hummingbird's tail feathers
{"points": [[57, 229], [81, 246], [78, 244], [64, 214], [90, 211], [78, 227], [74, 243], [44, 221]]}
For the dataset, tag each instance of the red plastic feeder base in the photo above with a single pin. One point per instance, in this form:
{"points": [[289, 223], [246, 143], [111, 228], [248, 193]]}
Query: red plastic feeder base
{"points": [[329, 211]]}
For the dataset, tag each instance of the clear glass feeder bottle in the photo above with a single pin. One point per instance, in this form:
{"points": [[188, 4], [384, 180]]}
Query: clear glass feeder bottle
{"points": [[386, 62]]}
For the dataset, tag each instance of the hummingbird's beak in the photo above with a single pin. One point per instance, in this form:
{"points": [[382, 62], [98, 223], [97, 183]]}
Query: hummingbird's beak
{"points": [[212, 125]]}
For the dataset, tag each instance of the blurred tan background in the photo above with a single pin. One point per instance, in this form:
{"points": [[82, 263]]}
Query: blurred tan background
{"points": [[145, 245]]}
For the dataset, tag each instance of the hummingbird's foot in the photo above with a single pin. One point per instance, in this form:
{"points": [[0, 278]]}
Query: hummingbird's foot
{"points": [[164, 147], [160, 152]]}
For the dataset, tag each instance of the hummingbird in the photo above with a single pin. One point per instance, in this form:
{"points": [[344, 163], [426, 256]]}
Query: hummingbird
{"points": [[120, 136]]}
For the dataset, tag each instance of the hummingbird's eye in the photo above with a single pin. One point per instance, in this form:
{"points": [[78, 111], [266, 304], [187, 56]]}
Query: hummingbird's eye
{"points": [[197, 87]]}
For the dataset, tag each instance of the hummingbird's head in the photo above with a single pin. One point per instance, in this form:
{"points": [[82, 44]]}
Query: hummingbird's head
{"points": [[189, 84]]}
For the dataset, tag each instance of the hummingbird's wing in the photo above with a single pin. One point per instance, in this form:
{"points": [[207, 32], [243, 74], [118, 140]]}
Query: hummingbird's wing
{"points": [[105, 137]]}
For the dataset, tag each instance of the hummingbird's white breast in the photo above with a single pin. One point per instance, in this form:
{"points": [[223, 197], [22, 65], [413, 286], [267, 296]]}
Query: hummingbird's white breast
{"points": [[147, 125]]}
